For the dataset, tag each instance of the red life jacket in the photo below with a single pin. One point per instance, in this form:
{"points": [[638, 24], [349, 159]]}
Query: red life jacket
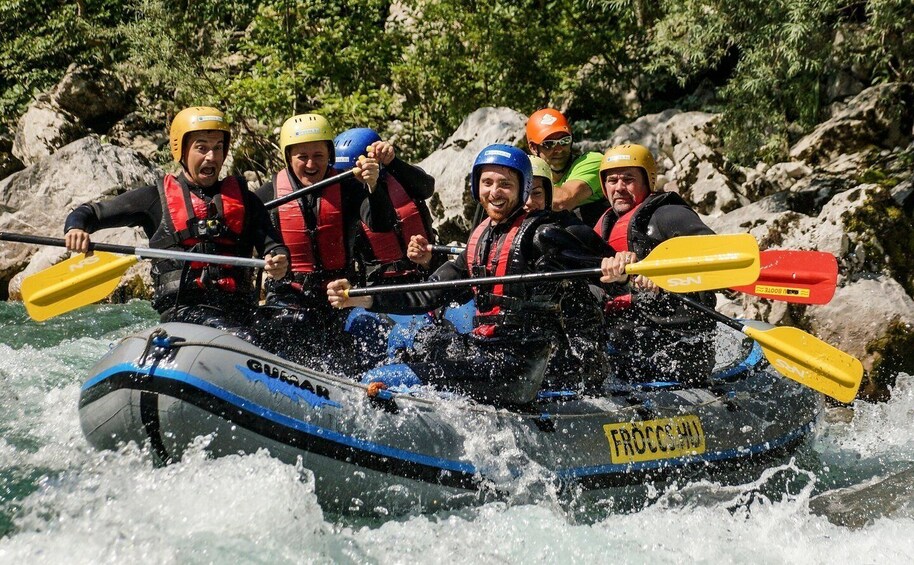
{"points": [[185, 211], [498, 262], [618, 240], [390, 247], [318, 248]]}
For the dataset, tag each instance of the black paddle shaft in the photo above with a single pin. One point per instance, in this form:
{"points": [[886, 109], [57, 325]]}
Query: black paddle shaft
{"points": [[58, 242], [526, 278], [139, 251], [308, 190]]}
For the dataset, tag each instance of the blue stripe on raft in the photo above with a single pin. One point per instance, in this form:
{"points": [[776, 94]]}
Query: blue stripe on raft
{"points": [[579, 472], [457, 466], [286, 421], [751, 360]]}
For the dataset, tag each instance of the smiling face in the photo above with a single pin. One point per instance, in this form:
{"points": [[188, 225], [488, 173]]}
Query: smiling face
{"points": [[204, 156], [556, 156], [499, 191], [309, 161], [625, 188], [537, 198]]}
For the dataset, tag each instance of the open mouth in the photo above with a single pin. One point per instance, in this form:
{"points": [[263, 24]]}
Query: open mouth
{"points": [[498, 204]]}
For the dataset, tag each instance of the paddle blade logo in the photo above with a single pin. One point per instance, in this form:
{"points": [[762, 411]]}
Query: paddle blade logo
{"points": [[683, 281], [84, 262]]}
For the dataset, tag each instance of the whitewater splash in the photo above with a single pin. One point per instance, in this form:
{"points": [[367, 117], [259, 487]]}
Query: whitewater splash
{"points": [[63, 502]]}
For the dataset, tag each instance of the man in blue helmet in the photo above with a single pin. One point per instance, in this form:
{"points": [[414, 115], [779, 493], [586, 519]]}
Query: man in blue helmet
{"points": [[383, 253], [517, 327]]}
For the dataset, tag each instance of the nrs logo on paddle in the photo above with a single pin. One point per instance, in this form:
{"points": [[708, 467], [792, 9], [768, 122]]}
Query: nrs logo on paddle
{"points": [[665, 438], [290, 378]]}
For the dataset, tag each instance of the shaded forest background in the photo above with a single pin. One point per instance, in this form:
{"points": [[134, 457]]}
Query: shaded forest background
{"points": [[414, 69]]}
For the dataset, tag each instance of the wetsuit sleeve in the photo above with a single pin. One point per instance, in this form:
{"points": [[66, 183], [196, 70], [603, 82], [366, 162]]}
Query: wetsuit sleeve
{"points": [[265, 192], [375, 209], [264, 235], [417, 183], [674, 221], [139, 207], [419, 302]]}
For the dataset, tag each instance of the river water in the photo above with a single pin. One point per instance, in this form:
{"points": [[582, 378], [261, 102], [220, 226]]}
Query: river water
{"points": [[848, 497]]}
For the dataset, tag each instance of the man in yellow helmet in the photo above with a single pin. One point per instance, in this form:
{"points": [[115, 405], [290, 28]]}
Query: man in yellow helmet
{"points": [[194, 211], [575, 178], [660, 339], [319, 229]]}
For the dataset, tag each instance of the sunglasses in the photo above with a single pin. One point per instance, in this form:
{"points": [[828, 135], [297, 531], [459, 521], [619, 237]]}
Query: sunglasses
{"points": [[552, 143]]}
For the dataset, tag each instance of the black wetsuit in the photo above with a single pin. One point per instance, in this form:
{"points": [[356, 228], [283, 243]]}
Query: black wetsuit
{"points": [[297, 320], [658, 337], [142, 207], [420, 186], [504, 360]]}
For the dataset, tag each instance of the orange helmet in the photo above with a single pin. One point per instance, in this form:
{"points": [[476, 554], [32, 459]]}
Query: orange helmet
{"points": [[543, 123]]}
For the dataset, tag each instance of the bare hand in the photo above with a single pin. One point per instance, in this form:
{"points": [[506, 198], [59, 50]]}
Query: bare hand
{"points": [[276, 265], [419, 251], [367, 170], [77, 240], [338, 296], [383, 152], [613, 268], [646, 284]]}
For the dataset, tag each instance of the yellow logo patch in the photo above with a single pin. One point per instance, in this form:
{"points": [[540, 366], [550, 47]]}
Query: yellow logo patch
{"points": [[666, 438]]}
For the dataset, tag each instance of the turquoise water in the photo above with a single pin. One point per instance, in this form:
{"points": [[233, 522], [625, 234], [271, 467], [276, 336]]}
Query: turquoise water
{"points": [[63, 502]]}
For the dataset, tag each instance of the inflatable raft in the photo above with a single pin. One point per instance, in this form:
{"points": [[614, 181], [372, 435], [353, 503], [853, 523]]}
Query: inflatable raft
{"points": [[419, 450]]}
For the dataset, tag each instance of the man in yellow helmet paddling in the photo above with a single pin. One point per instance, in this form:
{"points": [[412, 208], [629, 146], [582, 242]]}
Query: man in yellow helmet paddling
{"points": [[659, 338], [193, 210]]}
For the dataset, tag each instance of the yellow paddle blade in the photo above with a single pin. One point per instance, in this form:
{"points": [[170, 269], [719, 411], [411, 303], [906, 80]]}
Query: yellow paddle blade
{"points": [[810, 361], [76, 282], [701, 262]]}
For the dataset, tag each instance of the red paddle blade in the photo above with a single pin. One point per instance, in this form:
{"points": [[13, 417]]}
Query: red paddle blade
{"points": [[801, 277]]}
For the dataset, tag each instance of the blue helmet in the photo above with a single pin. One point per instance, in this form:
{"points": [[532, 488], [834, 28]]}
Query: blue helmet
{"points": [[351, 144], [506, 156]]}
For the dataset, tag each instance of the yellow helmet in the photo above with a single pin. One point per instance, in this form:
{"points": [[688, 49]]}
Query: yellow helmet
{"points": [[195, 118], [629, 155], [303, 128], [541, 169]]}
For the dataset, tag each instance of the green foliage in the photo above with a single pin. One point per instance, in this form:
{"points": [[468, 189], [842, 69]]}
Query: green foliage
{"points": [[781, 49], [416, 68], [42, 38], [464, 54], [888, 43]]}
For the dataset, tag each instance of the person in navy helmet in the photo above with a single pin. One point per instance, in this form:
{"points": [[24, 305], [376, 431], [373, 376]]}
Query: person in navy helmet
{"points": [[517, 327], [383, 253]]}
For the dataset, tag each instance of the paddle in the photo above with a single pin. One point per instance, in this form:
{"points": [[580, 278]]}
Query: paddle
{"points": [[82, 279], [801, 277], [680, 264], [309, 189], [449, 249], [798, 355]]}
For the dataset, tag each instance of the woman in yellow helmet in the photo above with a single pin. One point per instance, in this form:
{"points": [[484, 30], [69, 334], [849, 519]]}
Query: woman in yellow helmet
{"points": [[320, 231], [193, 210]]}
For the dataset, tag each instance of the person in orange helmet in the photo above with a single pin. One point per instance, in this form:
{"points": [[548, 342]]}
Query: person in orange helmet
{"points": [[576, 178]]}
